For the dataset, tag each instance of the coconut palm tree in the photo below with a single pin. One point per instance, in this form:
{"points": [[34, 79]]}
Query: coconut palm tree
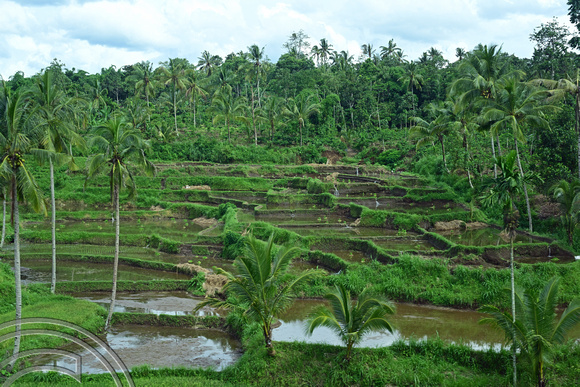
{"points": [[228, 108], [173, 73], [560, 89], [514, 106], [17, 135], [272, 113], [143, 77], [568, 195], [325, 50], [259, 287], [120, 148], [53, 115], [301, 108], [196, 88], [413, 79], [460, 53], [255, 56], [502, 193], [427, 132], [390, 50], [537, 328], [368, 50], [208, 62], [352, 321]]}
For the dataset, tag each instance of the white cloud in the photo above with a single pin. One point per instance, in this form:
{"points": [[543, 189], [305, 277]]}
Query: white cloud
{"points": [[91, 35]]}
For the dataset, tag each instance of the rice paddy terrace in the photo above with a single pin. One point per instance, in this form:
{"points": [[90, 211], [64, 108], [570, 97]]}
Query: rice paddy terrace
{"points": [[407, 238]]}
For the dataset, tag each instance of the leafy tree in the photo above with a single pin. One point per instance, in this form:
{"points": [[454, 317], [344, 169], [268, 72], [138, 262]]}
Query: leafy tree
{"points": [[551, 50], [297, 42], [196, 87], [352, 321], [568, 195], [120, 148], [272, 113], [413, 79], [325, 50], [143, 77], [260, 289], [537, 328], [53, 115], [17, 135]]}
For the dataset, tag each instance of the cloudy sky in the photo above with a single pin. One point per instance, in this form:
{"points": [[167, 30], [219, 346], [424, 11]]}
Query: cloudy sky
{"points": [[92, 34]]}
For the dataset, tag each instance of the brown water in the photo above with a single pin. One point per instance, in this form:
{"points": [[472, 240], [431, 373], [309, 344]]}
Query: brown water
{"points": [[488, 236], [339, 230], [404, 244], [177, 303], [40, 271], [159, 347], [410, 321]]}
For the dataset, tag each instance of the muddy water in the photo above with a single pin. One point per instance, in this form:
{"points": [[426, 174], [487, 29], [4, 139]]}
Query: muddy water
{"points": [[404, 244], [340, 230], [172, 303], [316, 218], [483, 237], [160, 347], [40, 271], [177, 229], [81, 249], [410, 320]]}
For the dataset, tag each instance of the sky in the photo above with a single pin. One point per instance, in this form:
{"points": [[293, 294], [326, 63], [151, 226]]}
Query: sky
{"points": [[95, 34]]}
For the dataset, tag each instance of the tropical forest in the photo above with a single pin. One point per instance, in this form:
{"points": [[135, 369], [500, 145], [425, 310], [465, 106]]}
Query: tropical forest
{"points": [[319, 220]]}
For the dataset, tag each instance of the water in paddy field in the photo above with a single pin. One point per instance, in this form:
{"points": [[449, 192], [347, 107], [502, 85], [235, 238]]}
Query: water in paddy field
{"points": [[158, 347], [410, 321], [175, 303], [488, 236]]}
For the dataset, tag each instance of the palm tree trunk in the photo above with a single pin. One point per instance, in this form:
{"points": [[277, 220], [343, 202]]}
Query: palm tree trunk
{"points": [[116, 259], [194, 123], [525, 188], [254, 119], [175, 110], [3, 221], [577, 122], [300, 125], [513, 291], [53, 228], [493, 153], [17, 281], [443, 152]]}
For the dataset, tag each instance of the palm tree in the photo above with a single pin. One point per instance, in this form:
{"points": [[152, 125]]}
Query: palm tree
{"points": [[537, 328], [427, 132], [390, 50], [196, 88], [228, 108], [413, 80], [272, 113], [325, 50], [315, 53], [174, 73], [53, 114], [255, 56], [560, 89], [515, 105], [208, 62], [460, 53], [259, 287], [368, 50], [352, 321], [503, 192], [120, 147], [142, 75], [16, 138], [301, 108], [568, 195]]}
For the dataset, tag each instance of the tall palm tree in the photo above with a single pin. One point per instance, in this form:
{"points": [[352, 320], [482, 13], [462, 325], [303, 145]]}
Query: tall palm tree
{"points": [[315, 53], [53, 115], [143, 77], [515, 105], [301, 108], [17, 135], [196, 88], [256, 56], [208, 62], [228, 108], [368, 50], [352, 321], [325, 50], [559, 90], [390, 50], [537, 326], [173, 73], [427, 132], [120, 148], [272, 113], [568, 195], [260, 286], [460, 53], [413, 79], [502, 193]]}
